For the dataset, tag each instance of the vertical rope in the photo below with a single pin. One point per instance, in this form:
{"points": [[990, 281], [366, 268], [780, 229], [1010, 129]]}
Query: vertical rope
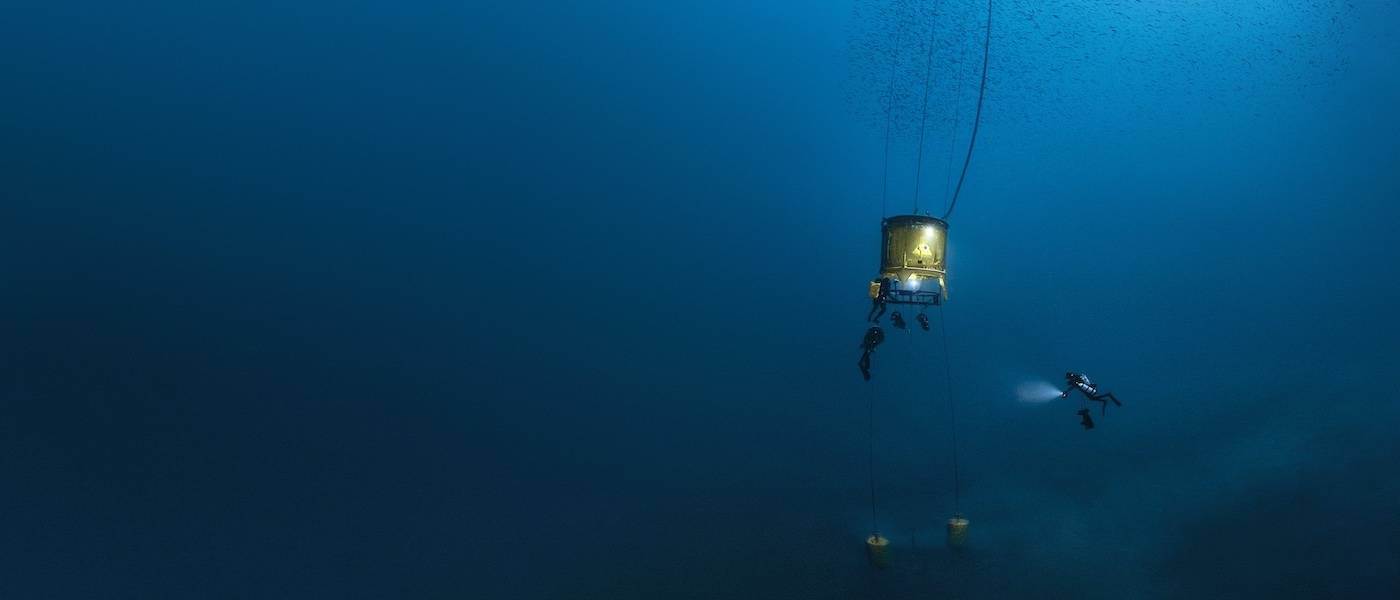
{"points": [[889, 111], [923, 118], [953, 133], [874, 520], [952, 410]]}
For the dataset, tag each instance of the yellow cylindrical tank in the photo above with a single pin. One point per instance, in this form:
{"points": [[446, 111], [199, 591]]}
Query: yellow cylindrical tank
{"points": [[879, 548], [957, 532], [913, 253], [874, 291]]}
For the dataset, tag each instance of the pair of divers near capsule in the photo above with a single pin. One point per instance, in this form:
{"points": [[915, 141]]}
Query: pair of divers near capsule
{"points": [[912, 254], [912, 272]]}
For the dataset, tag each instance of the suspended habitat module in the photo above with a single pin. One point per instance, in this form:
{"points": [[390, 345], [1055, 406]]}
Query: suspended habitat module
{"points": [[912, 252], [957, 532], [879, 548]]}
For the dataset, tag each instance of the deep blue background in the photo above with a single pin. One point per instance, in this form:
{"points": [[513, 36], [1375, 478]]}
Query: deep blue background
{"points": [[481, 300]]}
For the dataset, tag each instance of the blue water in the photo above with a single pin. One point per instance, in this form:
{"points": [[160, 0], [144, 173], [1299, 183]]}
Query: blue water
{"points": [[547, 300]]}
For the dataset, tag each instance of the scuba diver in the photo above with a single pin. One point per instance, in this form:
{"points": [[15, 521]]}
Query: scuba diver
{"points": [[878, 302], [923, 321], [873, 337], [1081, 382], [898, 320]]}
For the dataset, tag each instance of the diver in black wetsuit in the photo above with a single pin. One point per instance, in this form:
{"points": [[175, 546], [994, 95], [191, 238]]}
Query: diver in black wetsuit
{"points": [[1080, 381], [898, 320], [923, 321], [877, 304], [873, 337]]}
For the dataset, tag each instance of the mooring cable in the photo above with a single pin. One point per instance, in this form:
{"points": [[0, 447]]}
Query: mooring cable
{"points": [[977, 118]]}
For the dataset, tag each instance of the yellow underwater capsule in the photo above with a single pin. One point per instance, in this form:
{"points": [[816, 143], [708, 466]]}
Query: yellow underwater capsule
{"points": [[879, 548], [957, 532], [913, 254]]}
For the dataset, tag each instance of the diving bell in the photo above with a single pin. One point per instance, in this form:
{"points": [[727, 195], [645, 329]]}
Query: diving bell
{"points": [[912, 252]]}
